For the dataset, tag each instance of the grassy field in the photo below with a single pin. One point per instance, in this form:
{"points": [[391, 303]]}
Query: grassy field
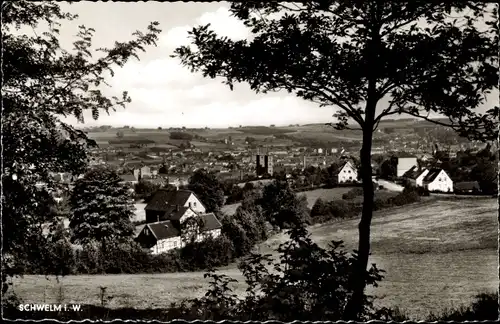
{"points": [[437, 254]]}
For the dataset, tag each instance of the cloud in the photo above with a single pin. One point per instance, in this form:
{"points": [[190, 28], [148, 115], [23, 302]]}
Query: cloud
{"points": [[221, 22], [165, 93]]}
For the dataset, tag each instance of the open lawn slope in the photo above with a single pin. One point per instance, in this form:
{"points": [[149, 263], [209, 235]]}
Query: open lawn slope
{"points": [[437, 254]]}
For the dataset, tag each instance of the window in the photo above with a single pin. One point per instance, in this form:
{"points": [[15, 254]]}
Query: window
{"points": [[146, 232], [175, 244], [194, 204], [350, 178], [189, 205], [349, 171]]}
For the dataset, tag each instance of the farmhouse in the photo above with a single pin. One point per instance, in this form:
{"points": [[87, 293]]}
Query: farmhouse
{"points": [[347, 173], [438, 180], [180, 217]]}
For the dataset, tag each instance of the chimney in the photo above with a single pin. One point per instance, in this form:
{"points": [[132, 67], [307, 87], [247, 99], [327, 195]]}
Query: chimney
{"points": [[157, 218], [177, 207]]}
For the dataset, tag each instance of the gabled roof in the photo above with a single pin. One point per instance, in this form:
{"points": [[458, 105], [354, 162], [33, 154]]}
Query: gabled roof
{"points": [[347, 163], [164, 199], [413, 173], [433, 173], [164, 230], [210, 222]]}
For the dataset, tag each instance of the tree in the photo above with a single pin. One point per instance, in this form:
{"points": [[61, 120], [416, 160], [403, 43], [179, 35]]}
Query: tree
{"points": [[249, 140], [208, 189], [145, 189], [101, 209], [424, 57], [163, 169], [318, 208], [191, 229], [388, 169], [42, 82], [281, 205]]}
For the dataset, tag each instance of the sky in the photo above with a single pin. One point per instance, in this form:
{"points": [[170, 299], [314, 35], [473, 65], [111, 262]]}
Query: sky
{"points": [[166, 94]]}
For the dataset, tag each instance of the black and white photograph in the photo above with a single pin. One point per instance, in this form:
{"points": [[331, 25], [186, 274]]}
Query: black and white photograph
{"points": [[250, 161]]}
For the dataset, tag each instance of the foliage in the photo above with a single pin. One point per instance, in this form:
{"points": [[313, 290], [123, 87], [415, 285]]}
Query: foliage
{"points": [[424, 57], [342, 209], [101, 209], [308, 283], [208, 189], [388, 169], [353, 193], [40, 83], [263, 130], [484, 308], [281, 205], [250, 140], [144, 189], [318, 208], [181, 136]]}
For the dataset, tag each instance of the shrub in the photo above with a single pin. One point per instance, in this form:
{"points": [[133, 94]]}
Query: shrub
{"points": [[181, 136], [484, 308], [319, 208]]}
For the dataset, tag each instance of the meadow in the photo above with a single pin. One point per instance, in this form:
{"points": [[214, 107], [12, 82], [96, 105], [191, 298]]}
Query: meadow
{"points": [[436, 254]]}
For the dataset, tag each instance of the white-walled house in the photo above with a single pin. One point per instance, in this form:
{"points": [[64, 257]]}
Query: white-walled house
{"points": [[171, 216], [438, 180], [163, 236], [347, 174]]}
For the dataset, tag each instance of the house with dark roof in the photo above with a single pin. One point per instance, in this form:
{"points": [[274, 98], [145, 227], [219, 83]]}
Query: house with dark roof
{"points": [[173, 217], [438, 180], [415, 176], [166, 204]]}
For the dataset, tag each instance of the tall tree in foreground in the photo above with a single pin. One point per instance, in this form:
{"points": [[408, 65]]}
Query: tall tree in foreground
{"points": [[42, 82], [101, 209], [425, 58]]}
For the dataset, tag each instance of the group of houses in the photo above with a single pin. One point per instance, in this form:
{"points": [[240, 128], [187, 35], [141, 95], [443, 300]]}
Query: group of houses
{"points": [[174, 218], [152, 175], [432, 179]]}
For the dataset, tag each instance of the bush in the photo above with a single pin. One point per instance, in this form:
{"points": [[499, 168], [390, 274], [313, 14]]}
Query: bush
{"points": [[181, 136], [408, 196], [484, 308], [353, 193], [319, 208]]}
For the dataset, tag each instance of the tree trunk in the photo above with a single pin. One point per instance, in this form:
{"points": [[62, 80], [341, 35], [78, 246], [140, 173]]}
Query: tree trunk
{"points": [[355, 304]]}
